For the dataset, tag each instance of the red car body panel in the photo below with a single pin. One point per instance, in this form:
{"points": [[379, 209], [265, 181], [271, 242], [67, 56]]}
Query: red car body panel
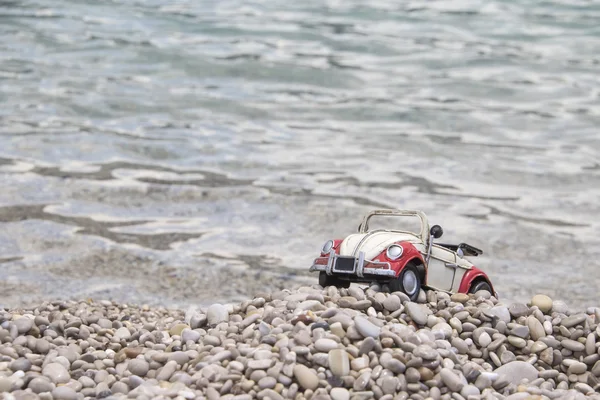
{"points": [[470, 276], [409, 254]]}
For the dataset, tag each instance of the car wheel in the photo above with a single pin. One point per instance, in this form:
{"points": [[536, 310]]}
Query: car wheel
{"points": [[480, 285], [409, 282], [343, 283]]}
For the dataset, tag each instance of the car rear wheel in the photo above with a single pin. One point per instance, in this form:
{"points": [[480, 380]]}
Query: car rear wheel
{"points": [[328, 280], [408, 282], [480, 285]]}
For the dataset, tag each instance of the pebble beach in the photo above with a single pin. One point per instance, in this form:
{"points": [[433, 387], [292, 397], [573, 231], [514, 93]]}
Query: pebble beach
{"points": [[307, 343]]}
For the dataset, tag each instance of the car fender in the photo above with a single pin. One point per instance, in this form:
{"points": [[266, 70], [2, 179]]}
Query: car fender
{"points": [[409, 254], [470, 276]]}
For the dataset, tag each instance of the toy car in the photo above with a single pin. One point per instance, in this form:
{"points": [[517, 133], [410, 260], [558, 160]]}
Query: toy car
{"points": [[405, 260]]}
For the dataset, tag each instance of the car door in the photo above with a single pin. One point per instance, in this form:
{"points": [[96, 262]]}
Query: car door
{"points": [[441, 268]]}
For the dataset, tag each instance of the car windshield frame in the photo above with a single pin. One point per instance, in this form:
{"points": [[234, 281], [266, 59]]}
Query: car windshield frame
{"points": [[423, 234]]}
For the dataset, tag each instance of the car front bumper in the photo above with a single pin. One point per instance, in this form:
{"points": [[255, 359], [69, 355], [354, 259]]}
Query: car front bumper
{"points": [[352, 267]]}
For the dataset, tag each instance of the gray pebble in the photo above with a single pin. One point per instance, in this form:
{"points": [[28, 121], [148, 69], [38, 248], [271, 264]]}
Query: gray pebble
{"points": [[40, 385], [138, 367], [23, 325], [20, 364], [64, 393]]}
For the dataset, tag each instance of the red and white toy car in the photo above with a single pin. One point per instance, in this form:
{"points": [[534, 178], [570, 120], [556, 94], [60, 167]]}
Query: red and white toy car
{"points": [[405, 260]]}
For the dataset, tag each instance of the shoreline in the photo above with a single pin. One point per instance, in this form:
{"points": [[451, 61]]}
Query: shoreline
{"points": [[305, 343]]}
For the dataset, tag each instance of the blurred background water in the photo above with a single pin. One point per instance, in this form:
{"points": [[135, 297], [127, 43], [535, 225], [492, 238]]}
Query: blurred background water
{"points": [[185, 152]]}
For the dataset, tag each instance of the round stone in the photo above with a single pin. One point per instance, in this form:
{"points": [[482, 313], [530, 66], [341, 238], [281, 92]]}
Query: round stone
{"points": [[459, 297], [177, 329], [451, 380], [356, 292], [501, 312], [425, 352], [119, 387], [515, 371], [122, 334], [139, 367], [366, 328], [543, 302], [216, 314], [306, 377], [189, 335], [417, 312], [339, 362], [41, 385], [573, 320], [339, 394], [325, 345], [518, 310], [572, 345], [577, 368], [559, 306], [20, 364], [64, 393], [23, 324], [392, 303], [484, 339], [536, 329], [517, 341], [268, 382], [56, 372], [444, 329]]}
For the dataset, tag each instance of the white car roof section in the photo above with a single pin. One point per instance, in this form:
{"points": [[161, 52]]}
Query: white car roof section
{"points": [[373, 243], [424, 234]]}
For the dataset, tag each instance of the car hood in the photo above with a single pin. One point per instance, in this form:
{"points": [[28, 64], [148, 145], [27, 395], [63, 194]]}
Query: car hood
{"points": [[373, 243]]}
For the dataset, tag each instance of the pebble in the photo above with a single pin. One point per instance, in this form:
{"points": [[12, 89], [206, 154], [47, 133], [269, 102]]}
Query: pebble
{"points": [[56, 372], [543, 302], [20, 364], [268, 382], [216, 314], [573, 320], [340, 394], [190, 335], [325, 345], [339, 363], [306, 378], [536, 330], [164, 374], [307, 343], [501, 312], [40, 385], [451, 380], [517, 310], [23, 325], [572, 345], [417, 313], [122, 334], [392, 303], [515, 371], [138, 367], [366, 328], [64, 393]]}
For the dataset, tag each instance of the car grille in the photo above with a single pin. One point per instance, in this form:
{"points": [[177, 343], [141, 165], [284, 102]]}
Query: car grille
{"points": [[344, 264]]}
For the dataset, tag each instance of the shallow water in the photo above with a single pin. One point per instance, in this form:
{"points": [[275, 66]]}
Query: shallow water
{"points": [[185, 152]]}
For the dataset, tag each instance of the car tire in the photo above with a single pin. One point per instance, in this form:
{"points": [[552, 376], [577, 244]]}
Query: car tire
{"points": [[480, 285], [408, 282]]}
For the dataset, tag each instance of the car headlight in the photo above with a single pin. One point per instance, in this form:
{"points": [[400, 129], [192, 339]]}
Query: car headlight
{"points": [[327, 247], [394, 252]]}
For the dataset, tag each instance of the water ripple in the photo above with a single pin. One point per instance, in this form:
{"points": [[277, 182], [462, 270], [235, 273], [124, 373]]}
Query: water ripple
{"points": [[220, 141]]}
